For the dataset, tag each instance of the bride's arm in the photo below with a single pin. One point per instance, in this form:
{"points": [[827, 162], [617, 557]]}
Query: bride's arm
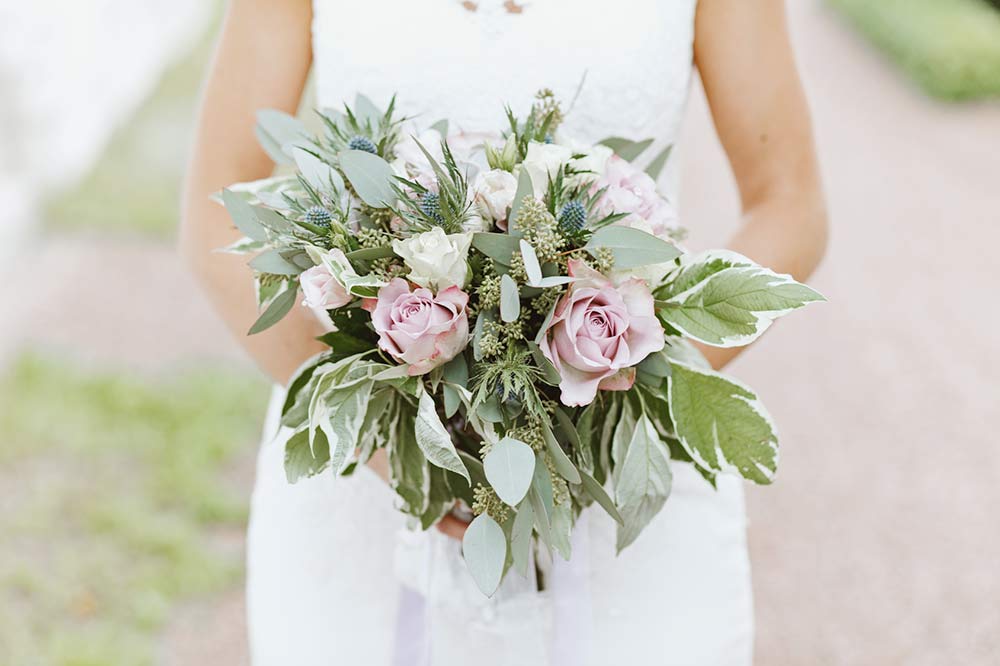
{"points": [[746, 65], [261, 61]]}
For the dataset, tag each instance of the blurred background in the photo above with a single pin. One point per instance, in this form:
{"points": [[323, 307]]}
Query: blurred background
{"points": [[128, 434]]}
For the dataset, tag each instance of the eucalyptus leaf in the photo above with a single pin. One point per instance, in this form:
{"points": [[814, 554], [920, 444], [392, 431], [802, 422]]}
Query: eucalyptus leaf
{"points": [[510, 299], [520, 539], [658, 162], [272, 262], [275, 311], [632, 247], [626, 148], [320, 175], [498, 247], [371, 176], [564, 466], [243, 216], [510, 466], [276, 129], [524, 189], [366, 111], [599, 495], [484, 547]]}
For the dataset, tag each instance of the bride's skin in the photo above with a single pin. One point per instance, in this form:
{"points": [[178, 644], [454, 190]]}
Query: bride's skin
{"points": [[262, 61]]}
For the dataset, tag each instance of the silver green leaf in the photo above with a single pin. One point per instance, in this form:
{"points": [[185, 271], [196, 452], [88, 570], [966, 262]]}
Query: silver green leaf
{"points": [[409, 471], [632, 247], [510, 299], [276, 310], [371, 176], [625, 148], [320, 175], [644, 482], [243, 216], [433, 439], [485, 550], [520, 538], [721, 423], [599, 495], [276, 130], [725, 300], [524, 189], [498, 247], [510, 466], [271, 261], [303, 460]]}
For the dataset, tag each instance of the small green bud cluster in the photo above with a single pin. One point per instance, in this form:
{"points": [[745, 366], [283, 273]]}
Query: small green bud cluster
{"points": [[545, 300], [372, 238], [489, 341], [388, 268], [605, 259], [540, 229], [530, 434], [486, 501], [546, 103], [489, 292], [560, 489]]}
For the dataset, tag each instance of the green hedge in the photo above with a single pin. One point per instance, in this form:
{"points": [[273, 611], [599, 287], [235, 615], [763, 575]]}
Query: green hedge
{"points": [[950, 47]]}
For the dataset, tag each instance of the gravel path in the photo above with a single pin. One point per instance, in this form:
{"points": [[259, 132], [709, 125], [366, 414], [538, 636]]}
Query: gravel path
{"points": [[878, 543]]}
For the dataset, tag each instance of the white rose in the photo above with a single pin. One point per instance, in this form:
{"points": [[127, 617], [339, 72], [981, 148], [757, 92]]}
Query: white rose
{"points": [[595, 160], [494, 193], [542, 161], [436, 260]]}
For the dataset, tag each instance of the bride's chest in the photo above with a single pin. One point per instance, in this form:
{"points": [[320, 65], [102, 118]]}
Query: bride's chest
{"points": [[462, 59]]}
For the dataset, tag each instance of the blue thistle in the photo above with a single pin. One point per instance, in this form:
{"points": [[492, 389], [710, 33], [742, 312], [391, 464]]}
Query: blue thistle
{"points": [[573, 216], [362, 143], [430, 204], [319, 216], [548, 139]]}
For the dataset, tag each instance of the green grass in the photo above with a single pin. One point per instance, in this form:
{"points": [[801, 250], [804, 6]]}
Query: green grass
{"points": [[118, 499], [135, 185], [950, 47]]}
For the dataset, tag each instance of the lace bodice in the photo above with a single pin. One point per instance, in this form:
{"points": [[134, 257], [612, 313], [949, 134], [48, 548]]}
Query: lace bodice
{"points": [[447, 61]]}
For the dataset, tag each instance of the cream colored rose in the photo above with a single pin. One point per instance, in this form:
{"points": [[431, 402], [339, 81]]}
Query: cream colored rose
{"points": [[436, 259], [542, 162], [494, 193]]}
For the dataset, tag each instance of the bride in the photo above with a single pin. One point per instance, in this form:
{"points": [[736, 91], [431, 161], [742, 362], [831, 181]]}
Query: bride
{"points": [[333, 575]]}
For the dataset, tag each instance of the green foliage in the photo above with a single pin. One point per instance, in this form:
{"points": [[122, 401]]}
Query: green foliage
{"points": [[950, 47], [116, 490]]}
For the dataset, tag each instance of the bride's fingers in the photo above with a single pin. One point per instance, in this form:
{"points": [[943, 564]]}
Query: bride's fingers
{"points": [[453, 527]]}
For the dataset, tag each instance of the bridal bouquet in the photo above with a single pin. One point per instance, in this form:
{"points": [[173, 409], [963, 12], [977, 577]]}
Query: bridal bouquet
{"points": [[510, 319]]}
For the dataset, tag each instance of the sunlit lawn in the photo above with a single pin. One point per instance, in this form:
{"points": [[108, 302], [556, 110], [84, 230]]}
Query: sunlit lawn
{"points": [[118, 495]]}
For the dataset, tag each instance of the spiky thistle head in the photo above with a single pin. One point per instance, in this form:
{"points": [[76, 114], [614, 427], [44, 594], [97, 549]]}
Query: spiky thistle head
{"points": [[572, 216], [362, 143], [319, 216]]}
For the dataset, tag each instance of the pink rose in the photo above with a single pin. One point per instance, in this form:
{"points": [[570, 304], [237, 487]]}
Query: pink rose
{"points": [[321, 289], [631, 190], [417, 327], [598, 333]]}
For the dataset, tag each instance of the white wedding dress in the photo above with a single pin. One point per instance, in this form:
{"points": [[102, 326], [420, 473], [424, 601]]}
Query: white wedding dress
{"points": [[334, 577]]}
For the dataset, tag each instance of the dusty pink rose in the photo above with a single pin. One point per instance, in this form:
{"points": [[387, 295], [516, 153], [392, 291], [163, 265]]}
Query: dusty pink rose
{"points": [[321, 289], [631, 190], [416, 327], [598, 333]]}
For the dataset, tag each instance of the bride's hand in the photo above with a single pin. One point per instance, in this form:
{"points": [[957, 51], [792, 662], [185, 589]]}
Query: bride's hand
{"points": [[450, 525]]}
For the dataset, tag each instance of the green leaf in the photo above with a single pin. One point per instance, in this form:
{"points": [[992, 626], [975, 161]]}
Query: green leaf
{"points": [[549, 373], [485, 550], [599, 495], [277, 309], [564, 466], [342, 419], [632, 247], [440, 498], [498, 247], [294, 409], [510, 299], [371, 176], [365, 111], [344, 344], [441, 127], [520, 539], [271, 261], [625, 148], [730, 303], [317, 173], [562, 525], [510, 466], [370, 253], [243, 216], [658, 162], [275, 130], [534, 270], [434, 440], [644, 482], [721, 423], [301, 460], [524, 189], [409, 472]]}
